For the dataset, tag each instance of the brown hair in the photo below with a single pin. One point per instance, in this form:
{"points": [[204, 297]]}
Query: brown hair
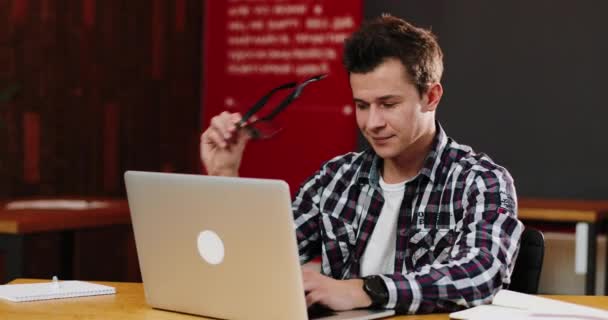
{"points": [[390, 37]]}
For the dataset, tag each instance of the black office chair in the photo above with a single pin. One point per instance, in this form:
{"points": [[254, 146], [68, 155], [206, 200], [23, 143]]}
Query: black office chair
{"points": [[529, 263]]}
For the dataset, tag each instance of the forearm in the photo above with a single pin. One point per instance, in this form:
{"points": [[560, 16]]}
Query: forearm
{"points": [[224, 172], [445, 287], [473, 272], [359, 297]]}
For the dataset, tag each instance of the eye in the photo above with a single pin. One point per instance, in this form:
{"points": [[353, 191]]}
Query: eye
{"points": [[389, 104], [361, 106]]}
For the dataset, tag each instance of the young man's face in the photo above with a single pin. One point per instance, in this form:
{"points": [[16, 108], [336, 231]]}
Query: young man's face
{"points": [[390, 113]]}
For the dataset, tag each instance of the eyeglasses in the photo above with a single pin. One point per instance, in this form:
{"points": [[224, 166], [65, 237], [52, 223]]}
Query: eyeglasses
{"points": [[263, 127]]}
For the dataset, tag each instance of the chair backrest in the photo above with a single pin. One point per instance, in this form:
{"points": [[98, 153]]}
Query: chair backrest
{"points": [[529, 263]]}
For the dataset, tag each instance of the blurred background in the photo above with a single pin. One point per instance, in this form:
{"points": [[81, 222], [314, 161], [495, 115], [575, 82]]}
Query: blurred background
{"points": [[90, 89]]}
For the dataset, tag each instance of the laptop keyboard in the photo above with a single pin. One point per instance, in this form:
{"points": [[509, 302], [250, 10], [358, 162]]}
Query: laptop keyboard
{"points": [[318, 310]]}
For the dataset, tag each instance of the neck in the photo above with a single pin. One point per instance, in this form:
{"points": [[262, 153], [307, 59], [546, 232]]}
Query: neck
{"points": [[408, 164]]}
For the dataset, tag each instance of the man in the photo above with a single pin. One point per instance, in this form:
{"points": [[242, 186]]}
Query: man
{"points": [[418, 223]]}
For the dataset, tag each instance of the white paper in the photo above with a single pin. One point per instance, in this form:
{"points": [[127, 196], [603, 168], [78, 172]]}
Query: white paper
{"points": [[50, 290], [540, 305], [514, 305], [489, 311], [55, 204]]}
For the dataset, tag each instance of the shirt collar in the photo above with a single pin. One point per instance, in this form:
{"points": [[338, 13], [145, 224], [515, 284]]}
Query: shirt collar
{"points": [[370, 173]]}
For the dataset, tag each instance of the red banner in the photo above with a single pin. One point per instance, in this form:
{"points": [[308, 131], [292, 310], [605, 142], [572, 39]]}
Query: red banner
{"points": [[252, 46]]}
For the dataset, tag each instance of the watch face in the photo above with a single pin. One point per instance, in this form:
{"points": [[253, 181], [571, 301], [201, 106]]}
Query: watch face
{"points": [[376, 289], [375, 284]]}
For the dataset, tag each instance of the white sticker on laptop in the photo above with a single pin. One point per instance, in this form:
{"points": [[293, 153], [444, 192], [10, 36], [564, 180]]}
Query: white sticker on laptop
{"points": [[210, 247]]}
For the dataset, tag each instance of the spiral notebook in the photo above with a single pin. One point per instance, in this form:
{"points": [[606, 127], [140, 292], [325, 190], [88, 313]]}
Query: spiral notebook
{"points": [[50, 290]]}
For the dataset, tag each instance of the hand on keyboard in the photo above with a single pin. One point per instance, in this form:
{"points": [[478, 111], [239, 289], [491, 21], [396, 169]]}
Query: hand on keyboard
{"points": [[318, 310]]}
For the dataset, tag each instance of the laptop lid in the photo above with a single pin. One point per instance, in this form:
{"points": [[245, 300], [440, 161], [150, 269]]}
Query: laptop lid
{"points": [[217, 246]]}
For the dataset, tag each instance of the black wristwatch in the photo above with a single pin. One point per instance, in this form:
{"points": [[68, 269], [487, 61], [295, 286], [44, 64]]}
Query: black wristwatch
{"points": [[376, 289]]}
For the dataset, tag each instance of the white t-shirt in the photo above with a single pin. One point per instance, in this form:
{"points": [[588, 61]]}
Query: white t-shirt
{"points": [[379, 255]]}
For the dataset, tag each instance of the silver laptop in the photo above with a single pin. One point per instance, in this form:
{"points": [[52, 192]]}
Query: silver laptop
{"points": [[219, 247]]}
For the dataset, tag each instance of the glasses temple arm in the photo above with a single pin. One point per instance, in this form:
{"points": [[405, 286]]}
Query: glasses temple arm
{"points": [[291, 97], [258, 105]]}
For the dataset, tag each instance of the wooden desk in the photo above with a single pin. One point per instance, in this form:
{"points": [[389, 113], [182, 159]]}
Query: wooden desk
{"points": [[593, 213], [16, 224], [129, 304]]}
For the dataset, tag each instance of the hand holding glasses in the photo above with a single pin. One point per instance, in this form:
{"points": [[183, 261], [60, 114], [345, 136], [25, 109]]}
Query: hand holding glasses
{"points": [[263, 127]]}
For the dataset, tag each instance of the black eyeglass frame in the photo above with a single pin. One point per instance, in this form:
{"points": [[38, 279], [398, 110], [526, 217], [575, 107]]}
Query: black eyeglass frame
{"points": [[244, 123]]}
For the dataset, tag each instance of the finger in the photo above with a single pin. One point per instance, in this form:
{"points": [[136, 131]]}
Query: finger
{"points": [[235, 117], [309, 285], [202, 145], [221, 123], [242, 139], [306, 275], [232, 120], [309, 280], [306, 272], [205, 136], [214, 138], [314, 297], [312, 274], [253, 118], [230, 126]]}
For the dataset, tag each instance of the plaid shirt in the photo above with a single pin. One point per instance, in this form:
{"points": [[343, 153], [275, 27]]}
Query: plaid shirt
{"points": [[457, 230]]}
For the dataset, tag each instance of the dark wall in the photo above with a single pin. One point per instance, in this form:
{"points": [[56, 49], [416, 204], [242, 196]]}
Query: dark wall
{"points": [[89, 89], [103, 86], [524, 82]]}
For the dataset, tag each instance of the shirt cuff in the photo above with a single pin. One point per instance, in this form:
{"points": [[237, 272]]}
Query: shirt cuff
{"points": [[403, 292]]}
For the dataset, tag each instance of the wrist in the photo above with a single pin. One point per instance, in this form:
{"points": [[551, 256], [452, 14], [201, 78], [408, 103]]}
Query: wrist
{"points": [[224, 172], [376, 290], [361, 299]]}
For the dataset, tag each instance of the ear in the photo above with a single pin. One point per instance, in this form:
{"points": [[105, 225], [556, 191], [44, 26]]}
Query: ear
{"points": [[432, 97]]}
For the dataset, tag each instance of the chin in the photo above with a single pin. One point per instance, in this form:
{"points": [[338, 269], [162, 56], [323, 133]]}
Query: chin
{"points": [[385, 152]]}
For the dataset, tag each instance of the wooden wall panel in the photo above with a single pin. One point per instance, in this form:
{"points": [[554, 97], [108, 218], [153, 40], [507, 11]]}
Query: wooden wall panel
{"points": [[71, 60]]}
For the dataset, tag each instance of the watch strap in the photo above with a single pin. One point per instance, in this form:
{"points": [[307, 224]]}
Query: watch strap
{"points": [[376, 289]]}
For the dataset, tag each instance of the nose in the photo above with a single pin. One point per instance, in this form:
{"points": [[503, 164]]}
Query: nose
{"points": [[375, 118]]}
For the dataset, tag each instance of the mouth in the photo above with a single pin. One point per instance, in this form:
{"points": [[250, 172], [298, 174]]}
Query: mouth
{"points": [[381, 139]]}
